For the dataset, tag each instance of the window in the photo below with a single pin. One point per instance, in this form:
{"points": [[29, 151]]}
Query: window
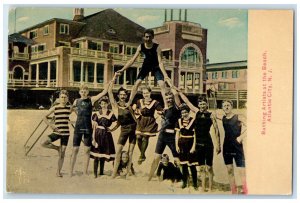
{"points": [[76, 71], [114, 48], [33, 34], [100, 73], [65, 44], [224, 74], [120, 79], [64, 29], [131, 74], [235, 74], [46, 30], [167, 54], [214, 75], [190, 56], [189, 81], [38, 48], [130, 50], [182, 80], [79, 45], [197, 81], [95, 45]]}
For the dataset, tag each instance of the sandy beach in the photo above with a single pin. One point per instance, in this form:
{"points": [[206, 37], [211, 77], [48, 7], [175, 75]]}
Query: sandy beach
{"points": [[35, 173]]}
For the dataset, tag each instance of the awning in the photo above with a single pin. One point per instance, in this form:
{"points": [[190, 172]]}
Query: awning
{"points": [[16, 37]]}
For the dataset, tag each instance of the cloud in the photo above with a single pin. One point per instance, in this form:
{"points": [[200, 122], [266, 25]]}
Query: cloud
{"points": [[230, 22], [22, 19], [146, 18]]}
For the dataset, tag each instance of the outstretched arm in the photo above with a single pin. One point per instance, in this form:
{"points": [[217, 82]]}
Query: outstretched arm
{"points": [[131, 61], [187, 101], [162, 68], [101, 94], [112, 100], [176, 97]]}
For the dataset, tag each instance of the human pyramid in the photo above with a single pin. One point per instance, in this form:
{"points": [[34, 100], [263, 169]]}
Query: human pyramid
{"points": [[190, 132]]}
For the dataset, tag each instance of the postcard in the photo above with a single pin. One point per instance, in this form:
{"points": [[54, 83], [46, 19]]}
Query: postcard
{"points": [[149, 101]]}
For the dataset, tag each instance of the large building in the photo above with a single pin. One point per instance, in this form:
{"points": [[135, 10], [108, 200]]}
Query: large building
{"points": [[61, 53], [229, 81]]}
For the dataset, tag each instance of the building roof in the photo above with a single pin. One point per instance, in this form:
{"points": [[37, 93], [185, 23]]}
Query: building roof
{"points": [[59, 20], [226, 66], [109, 24], [16, 37]]}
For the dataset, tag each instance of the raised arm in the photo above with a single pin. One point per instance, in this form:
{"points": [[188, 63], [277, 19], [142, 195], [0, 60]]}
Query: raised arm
{"points": [[176, 97], [131, 61], [161, 64], [187, 101], [101, 94], [112, 100]]}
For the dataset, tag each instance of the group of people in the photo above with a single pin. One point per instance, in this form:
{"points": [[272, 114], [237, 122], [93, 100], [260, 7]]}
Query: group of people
{"points": [[191, 132]]}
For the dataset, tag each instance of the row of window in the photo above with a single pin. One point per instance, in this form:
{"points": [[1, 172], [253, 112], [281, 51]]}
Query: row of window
{"points": [[63, 29], [224, 74]]}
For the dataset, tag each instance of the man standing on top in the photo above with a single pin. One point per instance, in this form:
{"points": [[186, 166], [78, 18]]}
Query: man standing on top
{"points": [[152, 63]]}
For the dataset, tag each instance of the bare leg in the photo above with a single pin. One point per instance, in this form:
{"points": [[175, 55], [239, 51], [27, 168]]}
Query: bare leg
{"points": [[242, 173], [48, 144], [130, 153], [231, 178], [73, 159], [210, 177], [203, 177], [162, 86], [134, 91], [154, 165], [61, 160], [117, 160], [87, 159]]}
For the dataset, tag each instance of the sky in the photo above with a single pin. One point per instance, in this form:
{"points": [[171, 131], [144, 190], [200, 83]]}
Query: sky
{"points": [[227, 29]]}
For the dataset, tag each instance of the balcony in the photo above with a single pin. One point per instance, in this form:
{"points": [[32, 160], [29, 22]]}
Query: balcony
{"points": [[33, 83], [20, 56], [43, 54], [89, 53]]}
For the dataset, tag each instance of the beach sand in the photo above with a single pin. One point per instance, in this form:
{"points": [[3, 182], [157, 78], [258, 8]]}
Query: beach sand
{"points": [[36, 172]]}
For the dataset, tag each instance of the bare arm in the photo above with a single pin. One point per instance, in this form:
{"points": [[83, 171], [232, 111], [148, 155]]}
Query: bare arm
{"points": [[45, 118], [101, 94], [131, 61], [244, 129], [112, 100], [187, 101], [161, 65], [176, 97], [216, 134]]}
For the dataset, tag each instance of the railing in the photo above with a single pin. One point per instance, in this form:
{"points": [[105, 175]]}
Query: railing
{"points": [[20, 56], [186, 64], [43, 54], [32, 83], [239, 97]]}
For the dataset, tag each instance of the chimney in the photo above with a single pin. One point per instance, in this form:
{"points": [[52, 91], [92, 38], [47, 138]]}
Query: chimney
{"points": [[78, 14], [179, 14]]}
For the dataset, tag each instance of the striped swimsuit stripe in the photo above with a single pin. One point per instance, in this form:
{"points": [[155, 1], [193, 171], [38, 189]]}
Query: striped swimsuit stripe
{"points": [[62, 119]]}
